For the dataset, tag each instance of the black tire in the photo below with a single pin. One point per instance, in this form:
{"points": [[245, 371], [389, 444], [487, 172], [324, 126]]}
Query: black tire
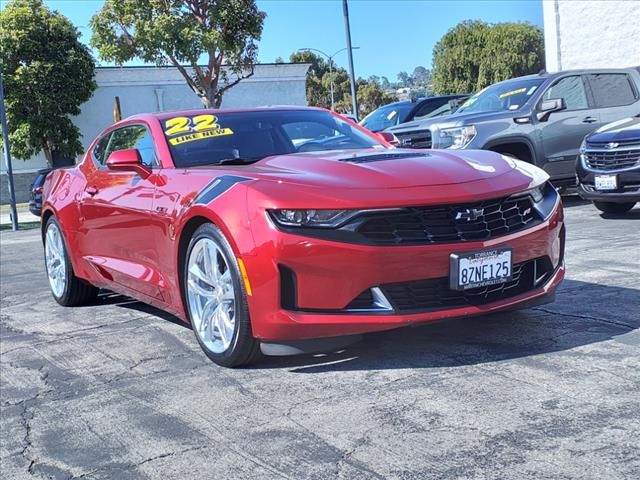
{"points": [[243, 348], [611, 207], [76, 291]]}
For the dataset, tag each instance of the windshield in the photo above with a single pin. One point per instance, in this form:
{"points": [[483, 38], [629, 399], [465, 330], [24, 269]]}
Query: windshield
{"points": [[385, 117], [510, 95], [246, 137]]}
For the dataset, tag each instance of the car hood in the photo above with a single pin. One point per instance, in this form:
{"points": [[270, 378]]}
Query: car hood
{"points": [[457, 120], [626, 130], [375, 168]]}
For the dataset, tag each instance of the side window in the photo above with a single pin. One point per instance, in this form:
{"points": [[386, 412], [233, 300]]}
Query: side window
{"points": [[429, 107], [572, 90], [134, 136], [100, 149], [611, 89]]}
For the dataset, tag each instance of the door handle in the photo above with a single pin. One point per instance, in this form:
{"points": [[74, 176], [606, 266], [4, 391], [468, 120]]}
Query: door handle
{"points": [[91, 190], [589, 120]]}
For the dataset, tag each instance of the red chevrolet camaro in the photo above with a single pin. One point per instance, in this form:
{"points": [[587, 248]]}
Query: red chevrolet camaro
{"points": [[287, 230]]}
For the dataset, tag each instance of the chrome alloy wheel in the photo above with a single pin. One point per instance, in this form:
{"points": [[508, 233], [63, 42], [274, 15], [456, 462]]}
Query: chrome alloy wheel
{"points": [[55, 260], [211, 295]]}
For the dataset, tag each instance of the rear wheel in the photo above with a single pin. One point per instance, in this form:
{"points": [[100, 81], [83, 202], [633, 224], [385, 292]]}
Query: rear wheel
{"points": [[216, 300], [611, 207], [67, 289]]}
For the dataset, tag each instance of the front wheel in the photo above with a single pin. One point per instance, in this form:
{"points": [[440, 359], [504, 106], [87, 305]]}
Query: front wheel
{"points": [[610, 207], [67, 289], [216, 300]]}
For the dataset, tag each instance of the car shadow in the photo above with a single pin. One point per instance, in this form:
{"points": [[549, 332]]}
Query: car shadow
{"points": [[631, 215], [106, 297], [568, 323], [573, 200], [561, 326]]}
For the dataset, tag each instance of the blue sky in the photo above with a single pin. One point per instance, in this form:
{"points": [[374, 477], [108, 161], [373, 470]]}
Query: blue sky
{"points": [[393, 35]]}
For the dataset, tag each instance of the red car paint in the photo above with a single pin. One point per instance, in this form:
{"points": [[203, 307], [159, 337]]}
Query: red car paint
{"points": [[124, 232]]}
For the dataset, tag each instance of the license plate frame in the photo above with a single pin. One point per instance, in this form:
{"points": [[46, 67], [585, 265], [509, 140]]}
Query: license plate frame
{"points": [[481, 258], [604, 183]]}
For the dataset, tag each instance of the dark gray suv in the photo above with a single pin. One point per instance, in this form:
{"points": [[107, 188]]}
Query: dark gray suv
{"points": [[541, 118]]}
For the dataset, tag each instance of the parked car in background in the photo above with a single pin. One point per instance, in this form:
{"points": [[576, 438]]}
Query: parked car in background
{"points": [[609, 166], [406, 111], [541, 119], [350, 116], [35, 199]]}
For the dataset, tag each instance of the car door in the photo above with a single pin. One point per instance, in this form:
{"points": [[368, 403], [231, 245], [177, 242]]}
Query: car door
{"points": [[562, 132], [614, 96], [115, 209]]}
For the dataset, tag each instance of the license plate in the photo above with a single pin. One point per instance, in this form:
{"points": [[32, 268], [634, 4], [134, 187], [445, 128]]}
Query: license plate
{"points": [[480, 269], [606, 182]]}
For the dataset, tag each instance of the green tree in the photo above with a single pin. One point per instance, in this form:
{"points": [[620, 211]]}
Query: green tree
{"points": [[475, 54], [370, 97], [181, 32], [370, 93], [317, 95], [405, 79], [48, 74], [421, 76]]}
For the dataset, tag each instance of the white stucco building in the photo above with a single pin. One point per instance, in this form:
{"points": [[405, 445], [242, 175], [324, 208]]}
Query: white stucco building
{"points": [[156, 89], [591, 34]]}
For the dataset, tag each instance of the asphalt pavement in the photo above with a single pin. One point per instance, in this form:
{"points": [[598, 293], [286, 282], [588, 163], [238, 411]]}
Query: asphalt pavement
{"points": [[119, 390]]}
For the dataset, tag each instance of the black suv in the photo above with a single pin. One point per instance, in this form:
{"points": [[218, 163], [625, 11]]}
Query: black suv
{"points": [[609, 166], [406, 111], [541, 119], [35, 200]]}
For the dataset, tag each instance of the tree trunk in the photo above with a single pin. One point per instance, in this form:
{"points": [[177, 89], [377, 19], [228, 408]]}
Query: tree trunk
{"points": [[211, 99], [47, 153]]}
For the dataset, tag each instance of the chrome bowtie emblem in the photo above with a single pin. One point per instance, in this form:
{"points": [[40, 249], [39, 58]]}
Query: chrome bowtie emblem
{"points": [[470, 214], [612, 145]]}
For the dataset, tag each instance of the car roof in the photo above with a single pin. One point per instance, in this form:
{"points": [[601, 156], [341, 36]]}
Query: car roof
{"points": [[199, 111], [421, 99], [545, 75]]}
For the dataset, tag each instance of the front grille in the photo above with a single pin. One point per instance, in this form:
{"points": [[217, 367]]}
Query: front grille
{"points": [[609, 160], [435, 294], [439, 224], [417, 139]]}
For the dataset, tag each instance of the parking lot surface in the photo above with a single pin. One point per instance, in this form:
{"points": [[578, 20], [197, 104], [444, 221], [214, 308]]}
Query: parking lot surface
{"points": [[121, 390]]}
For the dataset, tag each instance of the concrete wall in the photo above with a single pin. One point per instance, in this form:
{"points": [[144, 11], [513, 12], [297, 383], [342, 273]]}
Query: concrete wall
{"points": [[151, 89], [21, 184], [591, 33]]}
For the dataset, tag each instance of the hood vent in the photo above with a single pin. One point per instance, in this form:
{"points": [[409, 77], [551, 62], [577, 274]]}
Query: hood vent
{"points": [[378, 157]]}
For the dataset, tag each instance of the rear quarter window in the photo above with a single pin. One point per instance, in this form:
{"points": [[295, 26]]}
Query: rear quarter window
{"points": [[611, 89]]}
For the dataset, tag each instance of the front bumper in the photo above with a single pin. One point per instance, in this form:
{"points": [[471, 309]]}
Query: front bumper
{"points": [[628, 185], [330, 275]]}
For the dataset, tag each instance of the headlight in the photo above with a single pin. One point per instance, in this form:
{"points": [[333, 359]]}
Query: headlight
{"points": [[312, 218], [545, 197], [458, 137]]}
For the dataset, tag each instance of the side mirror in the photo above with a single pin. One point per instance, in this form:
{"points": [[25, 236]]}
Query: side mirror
{"points": [[387, 137], [128, 160], [547, 107]]}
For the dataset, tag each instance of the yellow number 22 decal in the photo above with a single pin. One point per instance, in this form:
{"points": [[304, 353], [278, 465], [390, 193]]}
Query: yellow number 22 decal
{"points": [[205, 122], [177, 125], [199, 123]]}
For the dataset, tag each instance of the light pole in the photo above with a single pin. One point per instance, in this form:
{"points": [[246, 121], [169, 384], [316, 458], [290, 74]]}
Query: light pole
{"points": [[330, 57], [347, 28], [7, 157]]}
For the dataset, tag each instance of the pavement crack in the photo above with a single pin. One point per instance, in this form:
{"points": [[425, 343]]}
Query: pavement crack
{"points": [[586, 317]]}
